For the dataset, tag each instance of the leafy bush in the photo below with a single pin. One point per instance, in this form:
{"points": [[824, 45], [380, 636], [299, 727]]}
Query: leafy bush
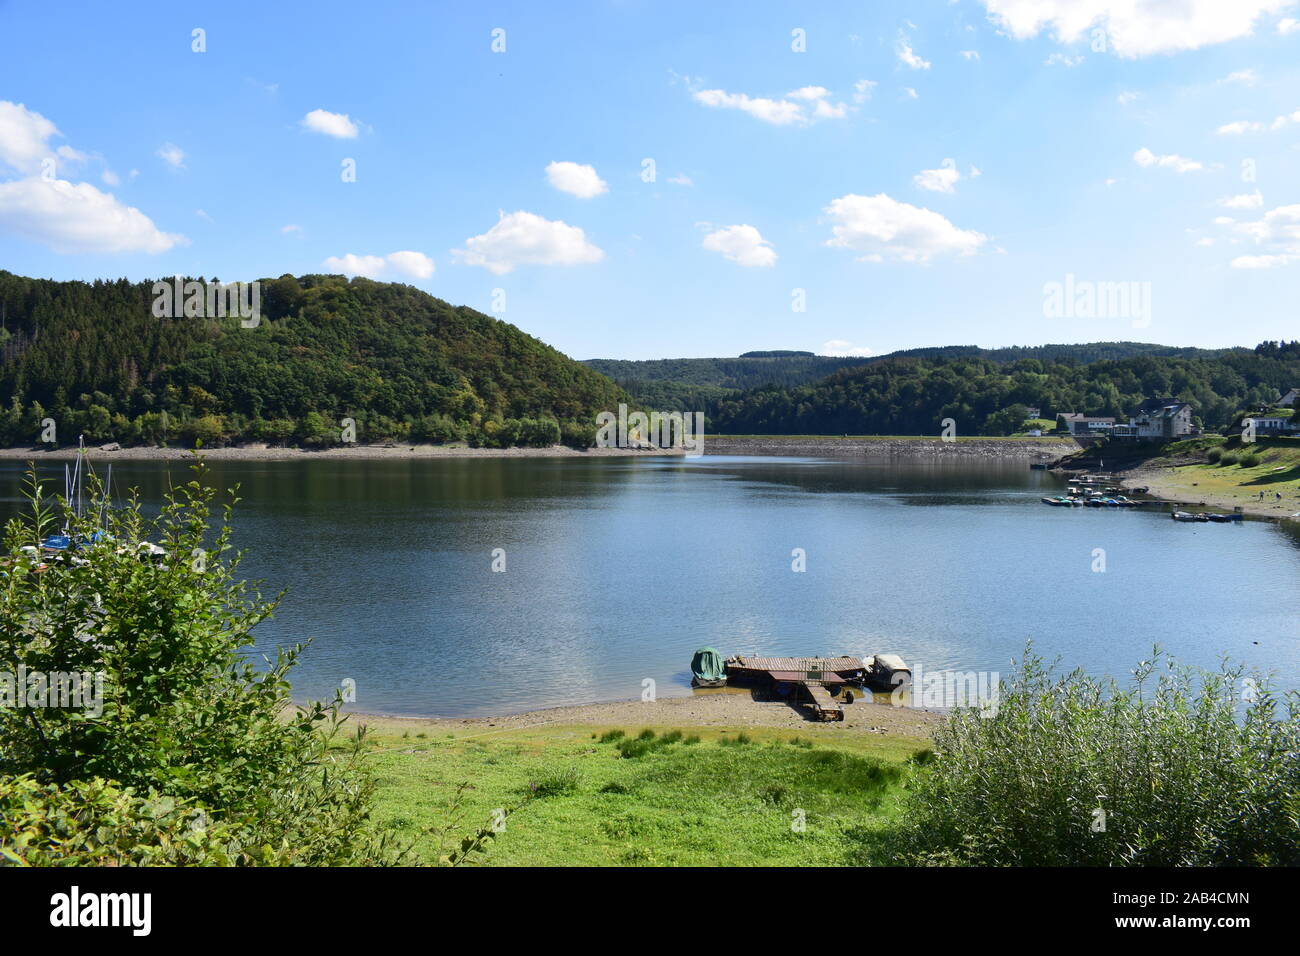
{"points": [[1250, 460], [1214, 454], [1075, 771], [185, 724], [1229, 458]]}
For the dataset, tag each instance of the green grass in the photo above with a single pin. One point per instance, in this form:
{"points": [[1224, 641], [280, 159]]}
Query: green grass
{"points": [[666, 796]]}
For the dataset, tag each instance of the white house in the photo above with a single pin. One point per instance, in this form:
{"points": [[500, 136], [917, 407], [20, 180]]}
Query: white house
{"points": [[1290, 399], [1270, 423], [1162, 418]]}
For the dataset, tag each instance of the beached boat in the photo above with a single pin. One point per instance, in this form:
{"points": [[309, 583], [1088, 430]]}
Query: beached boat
{"points": [[707, 669], [1188, 516]]}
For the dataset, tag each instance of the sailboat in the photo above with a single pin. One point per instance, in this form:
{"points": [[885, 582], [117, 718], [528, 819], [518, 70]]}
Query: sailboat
{"points": [[74, 481]]}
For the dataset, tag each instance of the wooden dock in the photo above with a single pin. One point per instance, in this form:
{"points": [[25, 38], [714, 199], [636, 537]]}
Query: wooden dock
{"points": [[812, 681]]}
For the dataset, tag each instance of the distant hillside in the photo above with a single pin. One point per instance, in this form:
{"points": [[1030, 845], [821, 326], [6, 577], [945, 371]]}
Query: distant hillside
{"points": [[912, 394], [693, 383], [402, 364]]}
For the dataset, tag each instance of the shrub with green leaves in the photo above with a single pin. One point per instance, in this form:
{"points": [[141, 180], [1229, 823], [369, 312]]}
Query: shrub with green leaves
{"points": [[1183, 768], [186, 721]]}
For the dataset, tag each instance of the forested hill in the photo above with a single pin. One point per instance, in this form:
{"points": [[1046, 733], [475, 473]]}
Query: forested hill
{"points": [[694, 382], [403, 364], [911, 395]]}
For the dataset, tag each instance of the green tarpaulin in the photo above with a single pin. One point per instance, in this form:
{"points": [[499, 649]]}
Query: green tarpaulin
{"points": [[706, 665]]}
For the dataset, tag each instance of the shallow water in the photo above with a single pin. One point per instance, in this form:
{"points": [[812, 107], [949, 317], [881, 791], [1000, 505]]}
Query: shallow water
{"points": [[618, 568]]}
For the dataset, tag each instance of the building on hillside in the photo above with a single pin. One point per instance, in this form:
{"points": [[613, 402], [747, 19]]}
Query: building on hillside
{"points": [[1033, 412], [1163, 419], [1272, 423], [1290, 399], [1078, 424]]}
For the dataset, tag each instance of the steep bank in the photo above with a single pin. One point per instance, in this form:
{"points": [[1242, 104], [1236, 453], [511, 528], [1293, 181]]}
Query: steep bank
{"points": [[1044, 450]]}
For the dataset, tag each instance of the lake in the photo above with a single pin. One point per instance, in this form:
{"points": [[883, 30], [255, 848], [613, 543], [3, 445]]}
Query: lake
{"points": [[617, 569]]}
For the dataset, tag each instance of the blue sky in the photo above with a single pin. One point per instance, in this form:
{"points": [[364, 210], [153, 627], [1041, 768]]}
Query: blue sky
{"points": [[921, 171]]}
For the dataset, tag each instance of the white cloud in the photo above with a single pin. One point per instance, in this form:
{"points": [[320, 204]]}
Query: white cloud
{"points": [[1285, 119], [1134, 28], [1263, 262], [681, 179], [884, 228], [416, 265], [1063, 60], [412, 265], [110, 178], [1288, 25], [576, 180], [74, 218], [524, 238], [910, 93], [842, 348], [1144, 157], [862, 90], [1127, 97], [1239, 127], [941, 180], [797, 108], [172, 155], [24, 136], [1244, 201], [1246, 77], [907, 56], [292, 229], [1276, 236], [776, 112], [203, 214], [742, 245], [970, 54], [338, 125]]}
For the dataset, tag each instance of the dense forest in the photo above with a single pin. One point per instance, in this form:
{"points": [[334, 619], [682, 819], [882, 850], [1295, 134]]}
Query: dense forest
{"points": [[912, 395], [696, 383], [95, 359]]}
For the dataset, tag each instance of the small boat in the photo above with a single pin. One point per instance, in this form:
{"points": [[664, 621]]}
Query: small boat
{"points": [[707, 669], [1224, 519], [1188, 516]]}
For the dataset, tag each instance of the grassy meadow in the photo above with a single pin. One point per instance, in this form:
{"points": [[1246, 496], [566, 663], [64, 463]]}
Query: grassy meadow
{"points": [[611, 796]]}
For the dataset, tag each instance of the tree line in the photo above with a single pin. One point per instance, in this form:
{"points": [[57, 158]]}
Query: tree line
{"points": [[912, 395], [403, 365]]}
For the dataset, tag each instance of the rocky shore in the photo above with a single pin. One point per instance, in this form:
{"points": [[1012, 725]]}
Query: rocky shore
{"points": [[1046, 449]]}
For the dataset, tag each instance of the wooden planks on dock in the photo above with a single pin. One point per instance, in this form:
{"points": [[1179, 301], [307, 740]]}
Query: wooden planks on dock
{"points": [[823, 704]]}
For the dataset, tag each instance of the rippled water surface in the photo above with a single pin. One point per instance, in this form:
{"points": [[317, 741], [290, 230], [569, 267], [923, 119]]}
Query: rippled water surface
{"points": [[618, 568]]}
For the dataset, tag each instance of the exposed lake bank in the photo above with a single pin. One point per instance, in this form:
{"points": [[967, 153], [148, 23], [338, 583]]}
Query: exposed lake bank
{"points": [[261, 452], [920, 447], [1183, 473], [726, 707]]}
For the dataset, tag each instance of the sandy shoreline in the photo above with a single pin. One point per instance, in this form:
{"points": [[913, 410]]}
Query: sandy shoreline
{"points": [[729, 707]]}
